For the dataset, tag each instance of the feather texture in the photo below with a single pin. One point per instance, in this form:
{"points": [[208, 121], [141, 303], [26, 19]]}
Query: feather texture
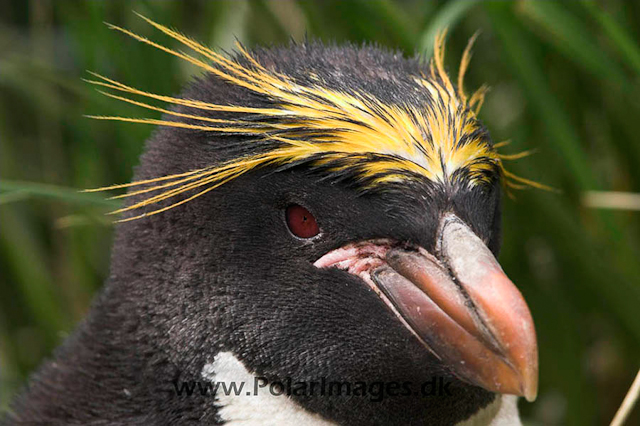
{"points": [[348, 132]]}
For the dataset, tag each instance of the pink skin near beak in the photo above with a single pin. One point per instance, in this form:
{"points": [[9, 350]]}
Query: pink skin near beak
{"points": [[460, 305]]}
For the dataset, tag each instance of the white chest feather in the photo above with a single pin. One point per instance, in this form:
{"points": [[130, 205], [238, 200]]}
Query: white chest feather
{"points": [[502, 412], [249, 408], [246, 407]]}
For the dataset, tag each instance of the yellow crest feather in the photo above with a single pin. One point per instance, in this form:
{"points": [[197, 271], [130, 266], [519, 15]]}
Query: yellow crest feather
{"points": [[328, 127]]}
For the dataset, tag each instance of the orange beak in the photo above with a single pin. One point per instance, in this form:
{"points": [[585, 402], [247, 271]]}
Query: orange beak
{"points": [[465, 310]]}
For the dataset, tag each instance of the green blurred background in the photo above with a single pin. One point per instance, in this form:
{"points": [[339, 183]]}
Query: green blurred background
{"points": [[564, 80]]}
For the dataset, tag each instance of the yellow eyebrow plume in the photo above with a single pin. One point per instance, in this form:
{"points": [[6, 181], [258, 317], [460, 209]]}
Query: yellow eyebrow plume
{"points": [[334, 129]]}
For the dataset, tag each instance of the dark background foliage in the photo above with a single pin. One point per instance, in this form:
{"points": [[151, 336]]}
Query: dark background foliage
{"points": [[564, 79]]}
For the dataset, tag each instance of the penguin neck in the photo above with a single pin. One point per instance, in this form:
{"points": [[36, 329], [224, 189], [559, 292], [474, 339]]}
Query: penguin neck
{"points": [[252, 402]]}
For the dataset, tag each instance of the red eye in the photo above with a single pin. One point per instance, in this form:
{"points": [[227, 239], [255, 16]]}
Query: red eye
{"points": [[301, 222]]}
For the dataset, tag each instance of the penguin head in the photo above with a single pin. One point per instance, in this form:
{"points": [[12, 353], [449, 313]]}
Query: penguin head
{"points": [[329, 214]]}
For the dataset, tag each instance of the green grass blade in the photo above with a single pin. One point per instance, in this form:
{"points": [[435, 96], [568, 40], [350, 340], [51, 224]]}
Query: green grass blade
{"points": [[620, 38], [59, 193], [550, 112], [568, 34], [447, 17]]}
